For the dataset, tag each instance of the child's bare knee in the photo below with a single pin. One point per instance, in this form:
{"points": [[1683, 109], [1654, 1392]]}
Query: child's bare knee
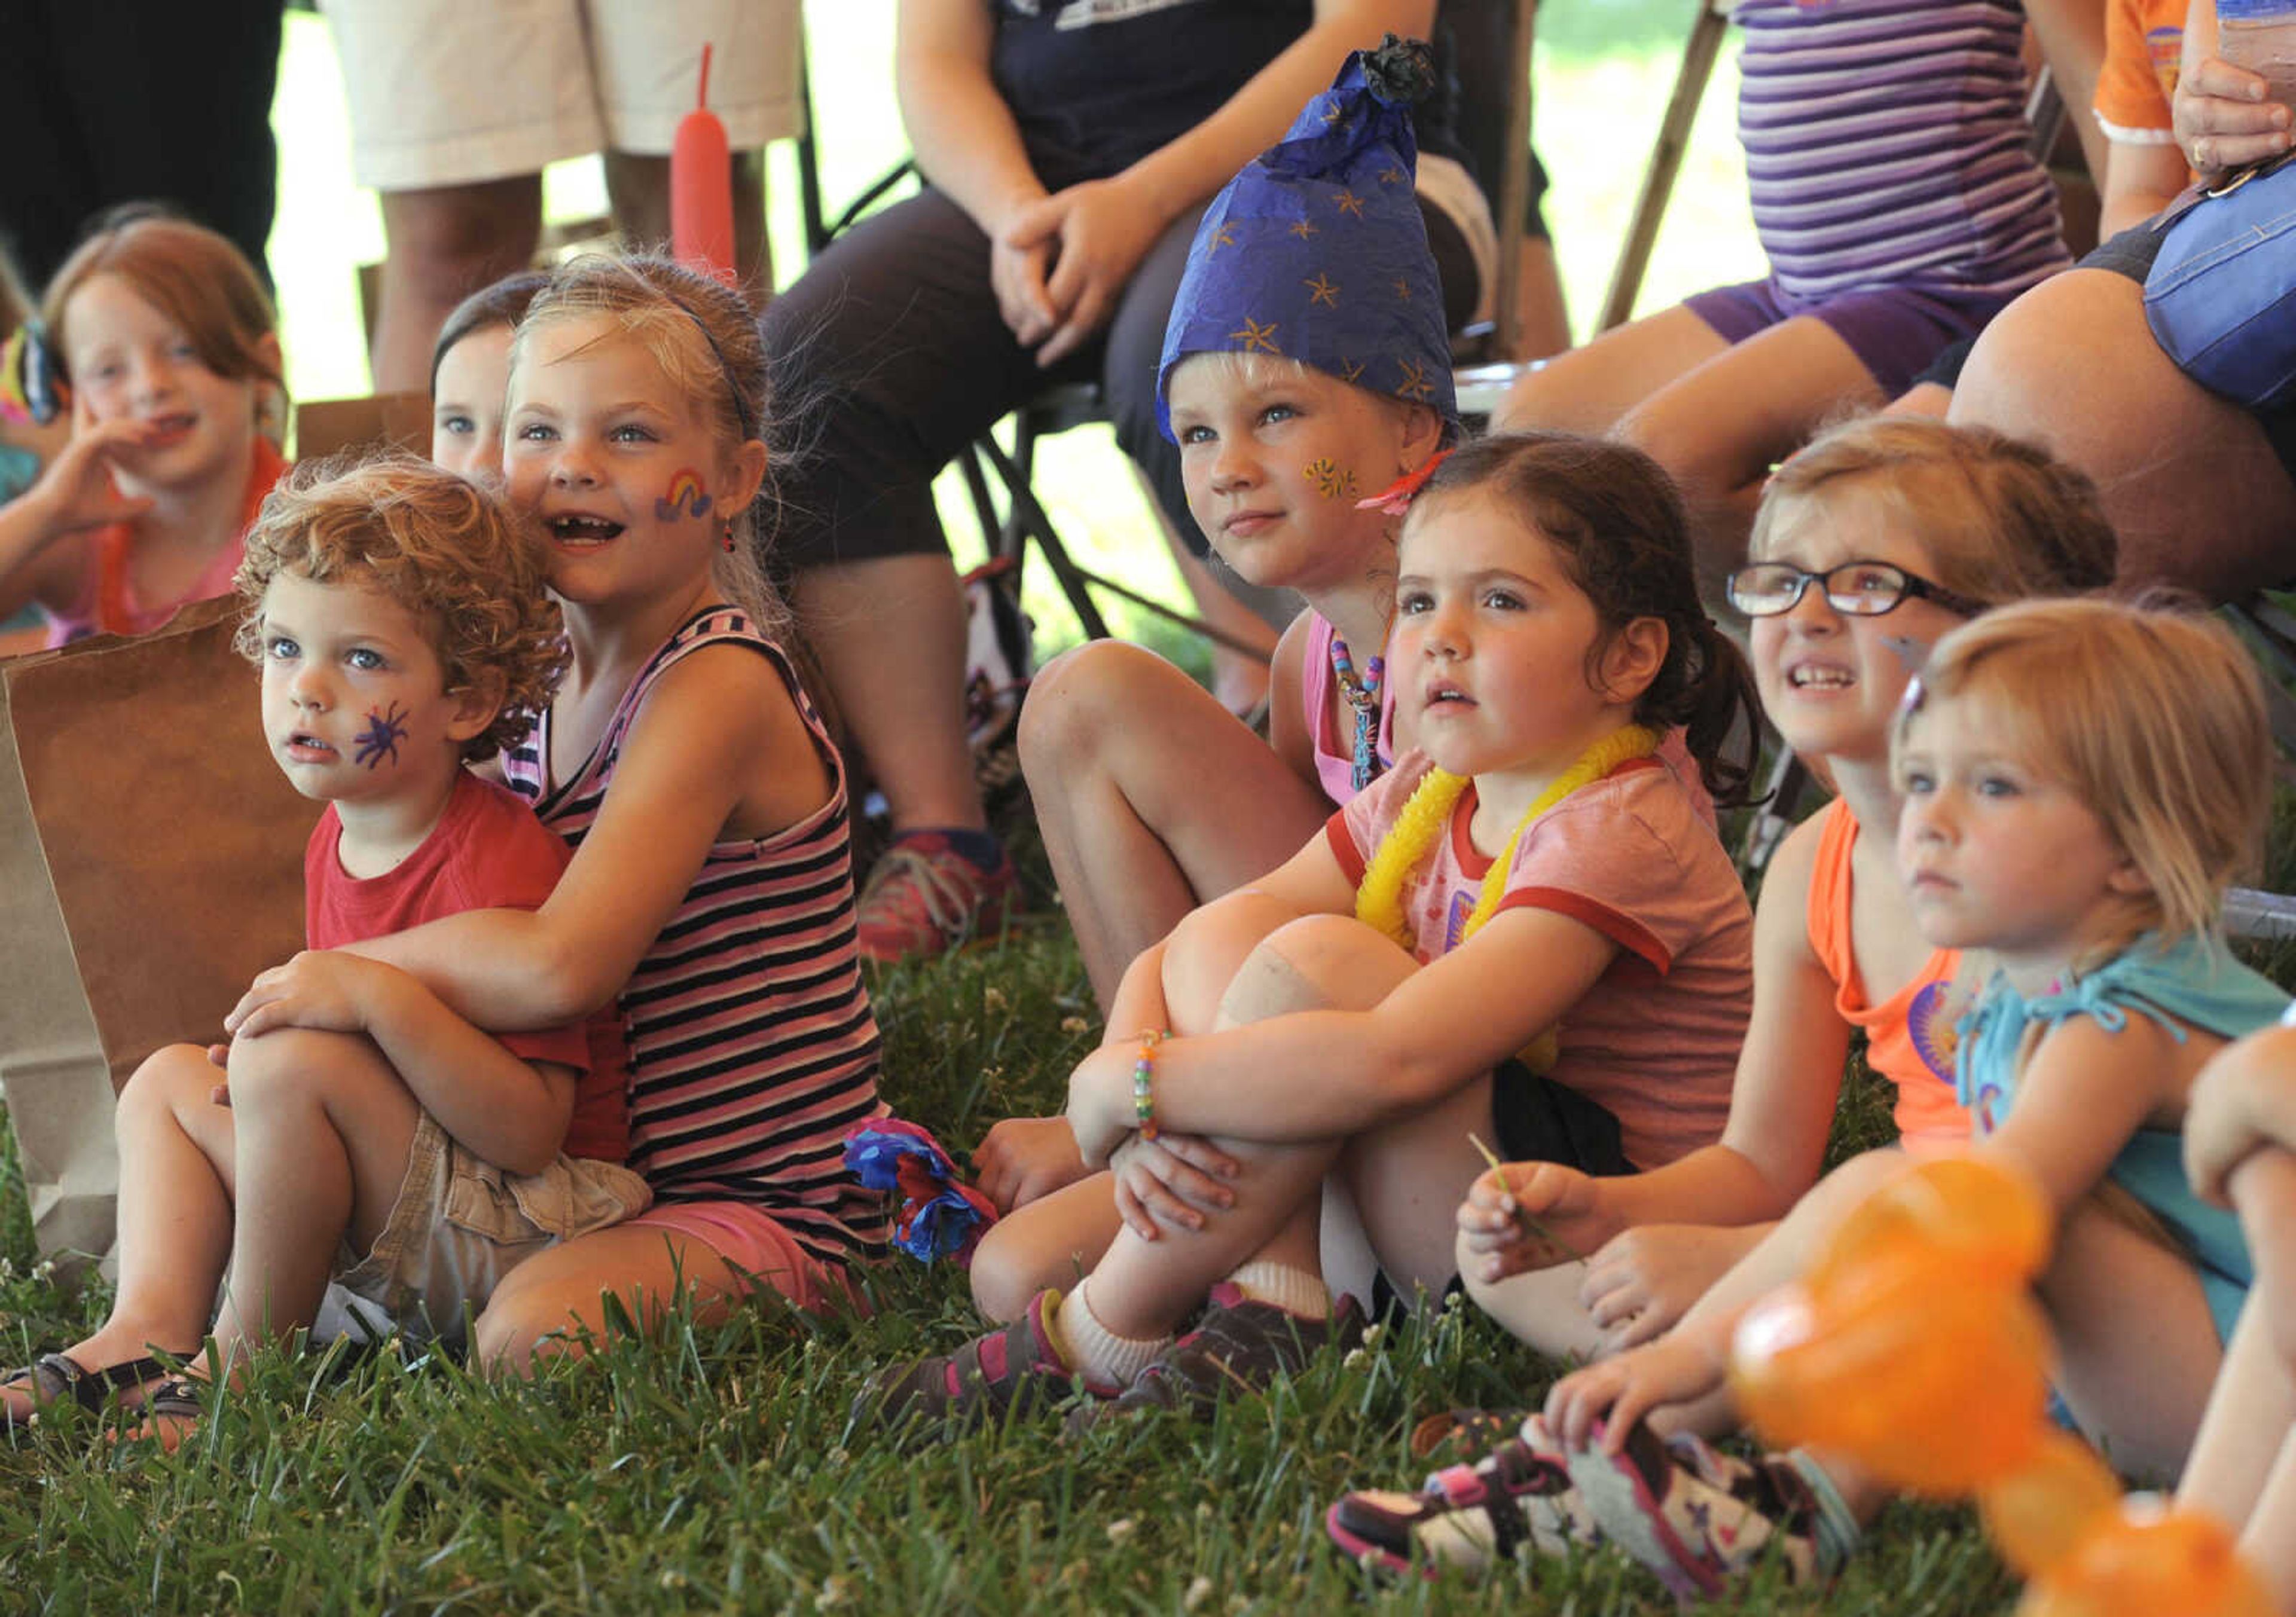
{"points": [[288, 1064], [163, 1081], [1313, 962], [1209, 946], [1073, 701], [515, 1330]]}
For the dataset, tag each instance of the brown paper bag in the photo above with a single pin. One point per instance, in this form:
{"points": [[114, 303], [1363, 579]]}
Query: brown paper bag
{"points": [[151, 864]]}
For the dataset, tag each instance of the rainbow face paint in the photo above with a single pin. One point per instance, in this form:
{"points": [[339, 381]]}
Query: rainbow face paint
{"points": [[686, 498], [380, 738]]}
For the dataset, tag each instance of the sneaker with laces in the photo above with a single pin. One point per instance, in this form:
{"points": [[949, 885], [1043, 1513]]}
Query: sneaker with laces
{"points": [[1467, 1516], [1014, 1370], [924, 898], [1698, 1518], [1240, 1345]]}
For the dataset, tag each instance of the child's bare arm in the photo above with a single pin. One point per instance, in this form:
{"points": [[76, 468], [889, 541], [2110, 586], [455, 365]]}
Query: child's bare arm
{"points": [[2086, 1091], [509, 1111], [1317, 1074], [2243, 1100], [2140, 179], [40, 558]]}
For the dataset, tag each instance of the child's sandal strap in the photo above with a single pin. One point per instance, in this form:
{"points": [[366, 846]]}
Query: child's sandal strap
{"points": [[1465, 1488]]}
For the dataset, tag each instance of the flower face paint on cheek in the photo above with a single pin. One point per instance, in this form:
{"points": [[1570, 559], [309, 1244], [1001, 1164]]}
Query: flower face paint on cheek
{"points": [[1331, 480], [380, 738], [686, 498]]}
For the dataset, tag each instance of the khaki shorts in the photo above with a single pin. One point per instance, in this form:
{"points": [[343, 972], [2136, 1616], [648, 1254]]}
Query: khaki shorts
{"points": [[461, 1224], [451, 92]]}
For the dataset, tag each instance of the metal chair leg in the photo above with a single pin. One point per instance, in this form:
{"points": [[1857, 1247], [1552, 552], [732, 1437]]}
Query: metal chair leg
{"points": [[1698, 54]]}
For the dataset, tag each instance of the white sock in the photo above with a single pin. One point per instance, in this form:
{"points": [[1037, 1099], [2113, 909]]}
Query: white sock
{"points": [[1099, 1352], [1295, 1291]]}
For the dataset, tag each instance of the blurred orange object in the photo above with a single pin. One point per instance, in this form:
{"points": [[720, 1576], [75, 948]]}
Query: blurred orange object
{"points": [[1988, 1222], [1935, 1386], [2038, 1515], [702, 188], [2150, 1561]]}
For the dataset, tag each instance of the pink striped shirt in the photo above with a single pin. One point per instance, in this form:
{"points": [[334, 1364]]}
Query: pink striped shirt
{"points": [[752, 1046]]}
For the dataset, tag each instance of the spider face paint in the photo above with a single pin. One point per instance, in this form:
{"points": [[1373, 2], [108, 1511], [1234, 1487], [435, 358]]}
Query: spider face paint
{"points": [[686, 498], [380, 738]]}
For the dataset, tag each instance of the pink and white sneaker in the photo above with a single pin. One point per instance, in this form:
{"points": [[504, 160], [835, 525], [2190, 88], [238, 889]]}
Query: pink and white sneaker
{"points": [[1697, 1518]]}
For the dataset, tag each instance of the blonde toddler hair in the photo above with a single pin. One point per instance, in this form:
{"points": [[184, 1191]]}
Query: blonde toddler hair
{"points": [[2001, 519], [446, 550], [2152, 716]]}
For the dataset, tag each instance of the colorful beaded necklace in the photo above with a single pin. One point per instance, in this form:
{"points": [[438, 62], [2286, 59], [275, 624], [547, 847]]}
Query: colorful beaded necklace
{"points": [[1362, 694]]}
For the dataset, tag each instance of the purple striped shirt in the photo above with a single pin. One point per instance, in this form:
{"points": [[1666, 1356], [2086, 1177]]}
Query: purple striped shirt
{"points": [[752, 1046], [1886, 146]]}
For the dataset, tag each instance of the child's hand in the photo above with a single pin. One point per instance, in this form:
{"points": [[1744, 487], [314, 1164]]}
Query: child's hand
{"points": [[1025, 1157], [2223, 120], [319, 988], [2226, 1114], [1565, 1219], [1678, 1368], [1171, 1182], [1644, 1279], [76, 492], [1099, 1122]]}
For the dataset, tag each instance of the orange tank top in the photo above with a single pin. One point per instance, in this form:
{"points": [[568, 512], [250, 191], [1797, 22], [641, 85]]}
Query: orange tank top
{"points": [[1909, 1040]]}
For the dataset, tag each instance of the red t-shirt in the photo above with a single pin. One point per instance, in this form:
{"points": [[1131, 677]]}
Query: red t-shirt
{"points": [[488, 851]]}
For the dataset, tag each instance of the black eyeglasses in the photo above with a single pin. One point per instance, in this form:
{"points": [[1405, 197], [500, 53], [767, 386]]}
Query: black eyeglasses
{"points": [[1860, 589]]}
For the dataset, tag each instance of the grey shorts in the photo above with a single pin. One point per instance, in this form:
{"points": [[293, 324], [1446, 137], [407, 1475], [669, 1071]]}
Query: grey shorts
{"points": [[461, 1224]]}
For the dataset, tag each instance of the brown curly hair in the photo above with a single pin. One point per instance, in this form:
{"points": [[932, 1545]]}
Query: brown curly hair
{"points": [[446, 550]]}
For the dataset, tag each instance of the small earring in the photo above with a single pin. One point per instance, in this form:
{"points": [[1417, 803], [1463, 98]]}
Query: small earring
{"points": [[729, 535]]}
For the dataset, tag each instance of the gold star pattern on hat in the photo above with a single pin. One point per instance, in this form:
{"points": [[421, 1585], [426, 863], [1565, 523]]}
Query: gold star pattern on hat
{"points": [[1258, 338], [1350, 369], [1225, 236], [1390, 175], [1415, 384], [1323, 290], [1348, 202], [1302, 229], [1402, 288]]}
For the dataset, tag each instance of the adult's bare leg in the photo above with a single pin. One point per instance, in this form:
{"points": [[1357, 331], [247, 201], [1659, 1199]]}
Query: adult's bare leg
{"points": [[444, 244], [2189, 479]]}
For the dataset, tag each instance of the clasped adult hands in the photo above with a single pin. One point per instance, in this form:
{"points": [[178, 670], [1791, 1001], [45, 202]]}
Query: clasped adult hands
{"points": [[1060, 263]]}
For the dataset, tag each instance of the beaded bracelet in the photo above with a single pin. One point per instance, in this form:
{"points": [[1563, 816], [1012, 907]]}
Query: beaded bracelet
{"points": [[1143, 1069]]}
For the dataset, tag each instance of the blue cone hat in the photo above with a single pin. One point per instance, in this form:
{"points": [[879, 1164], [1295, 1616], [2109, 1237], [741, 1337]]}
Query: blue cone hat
{"points": [[1317, 251]]}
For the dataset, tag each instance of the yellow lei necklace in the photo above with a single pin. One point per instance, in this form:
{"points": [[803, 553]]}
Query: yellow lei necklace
{"points": [[1379, 900]]}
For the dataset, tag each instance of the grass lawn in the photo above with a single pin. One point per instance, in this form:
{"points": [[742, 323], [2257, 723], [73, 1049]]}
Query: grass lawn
{"points": [[713, 1469]]}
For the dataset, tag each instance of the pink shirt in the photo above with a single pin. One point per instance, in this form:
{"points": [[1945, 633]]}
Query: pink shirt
{"points": [[1656, 1040]]}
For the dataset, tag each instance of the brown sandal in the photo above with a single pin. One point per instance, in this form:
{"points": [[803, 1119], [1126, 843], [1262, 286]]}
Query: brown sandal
{"points": [[56, 1377]]}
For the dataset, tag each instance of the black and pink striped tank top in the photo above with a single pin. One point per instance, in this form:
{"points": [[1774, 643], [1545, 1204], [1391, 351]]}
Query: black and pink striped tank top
{"points": [[752, 1046]]}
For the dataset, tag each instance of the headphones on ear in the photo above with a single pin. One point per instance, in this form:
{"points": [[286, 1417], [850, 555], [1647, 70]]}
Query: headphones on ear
{"points": [[32, 387]]}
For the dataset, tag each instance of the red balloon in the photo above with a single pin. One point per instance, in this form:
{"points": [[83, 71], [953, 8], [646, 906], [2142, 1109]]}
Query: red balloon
{"points": [[702, 190]]}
